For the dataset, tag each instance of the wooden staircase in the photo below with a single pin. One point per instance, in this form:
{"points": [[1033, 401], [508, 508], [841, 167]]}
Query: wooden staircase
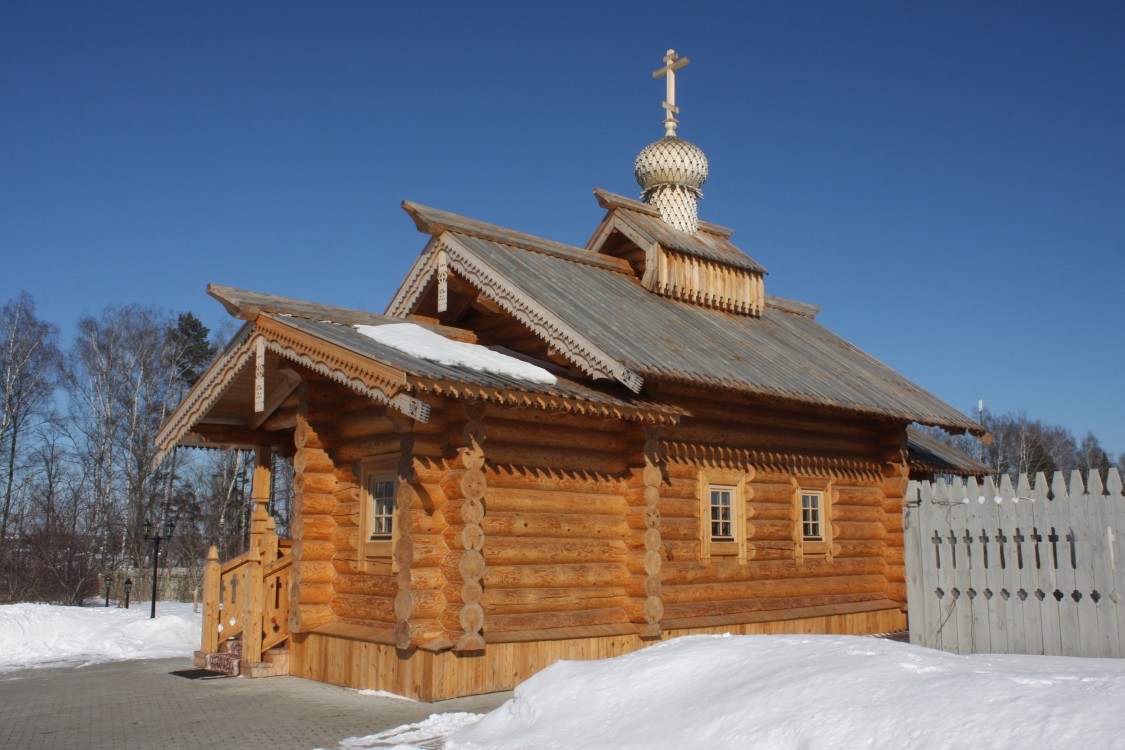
{"points": [[246, 599]]}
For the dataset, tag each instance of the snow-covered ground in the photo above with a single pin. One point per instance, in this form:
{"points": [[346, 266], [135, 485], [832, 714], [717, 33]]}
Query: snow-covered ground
{"points": [[712, 692], [705, 692], [45, 635]]}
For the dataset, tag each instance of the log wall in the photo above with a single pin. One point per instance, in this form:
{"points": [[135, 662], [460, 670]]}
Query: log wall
{"points": [[526, 536]]}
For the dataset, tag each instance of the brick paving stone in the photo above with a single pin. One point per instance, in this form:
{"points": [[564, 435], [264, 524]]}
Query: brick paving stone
{"points": [[141, 705]]}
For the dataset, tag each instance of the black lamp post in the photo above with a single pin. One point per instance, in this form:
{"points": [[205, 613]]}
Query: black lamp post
{"points": [[156, 537], [128, 590], [108, 581]]}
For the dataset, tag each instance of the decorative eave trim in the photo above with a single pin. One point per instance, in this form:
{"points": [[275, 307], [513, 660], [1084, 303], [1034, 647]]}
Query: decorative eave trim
{"points": [[379, 381], [582, 352], [654, 414], [676, 450], [416, 282], [206, 391]]}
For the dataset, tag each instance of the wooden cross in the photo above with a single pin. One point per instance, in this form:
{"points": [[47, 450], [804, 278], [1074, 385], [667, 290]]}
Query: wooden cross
{"points": [[937, 549], [1037, 538], [953, 546], [1053, 538], [672, 63], [968, 539], [984, 545], [1001, 539], [1019, 538]]}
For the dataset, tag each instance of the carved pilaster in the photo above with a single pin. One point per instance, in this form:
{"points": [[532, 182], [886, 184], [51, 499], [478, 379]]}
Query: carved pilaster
{"points": [[473, 488], [651, 478], [404, 542]]}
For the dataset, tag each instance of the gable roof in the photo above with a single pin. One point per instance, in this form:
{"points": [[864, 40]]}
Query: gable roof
{"points": [[605, 322], [325, 340]]}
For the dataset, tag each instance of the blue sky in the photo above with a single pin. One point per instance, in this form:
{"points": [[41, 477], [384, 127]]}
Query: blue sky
{"points": [[946, 179]]}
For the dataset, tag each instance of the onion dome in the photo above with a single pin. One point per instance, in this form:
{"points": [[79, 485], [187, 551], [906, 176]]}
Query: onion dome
{"points": [[672, 170]]}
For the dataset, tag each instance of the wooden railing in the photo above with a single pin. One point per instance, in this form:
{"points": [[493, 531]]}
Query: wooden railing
{"points": [[247, 596]]}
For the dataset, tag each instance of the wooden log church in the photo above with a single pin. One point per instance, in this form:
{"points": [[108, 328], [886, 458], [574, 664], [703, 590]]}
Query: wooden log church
{"points": [[544, 452]]}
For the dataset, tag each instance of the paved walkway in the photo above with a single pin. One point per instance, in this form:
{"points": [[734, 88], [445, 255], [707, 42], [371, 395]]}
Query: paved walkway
{"points": [[140, 704]]}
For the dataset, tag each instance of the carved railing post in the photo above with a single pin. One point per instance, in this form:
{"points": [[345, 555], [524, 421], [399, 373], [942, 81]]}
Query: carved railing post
{"points": [[212, 573], [260, 497], [253, 606]]}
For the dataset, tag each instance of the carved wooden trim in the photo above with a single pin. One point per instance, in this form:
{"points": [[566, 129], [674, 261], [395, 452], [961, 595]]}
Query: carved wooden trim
{"points": [[416, 281], [381, 383], [786, 463], [205, 393], [474, 486], [586, 355], [653, 413]]}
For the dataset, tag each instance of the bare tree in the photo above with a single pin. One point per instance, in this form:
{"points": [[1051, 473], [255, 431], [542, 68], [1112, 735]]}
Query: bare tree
{"points": [[29, 360]]}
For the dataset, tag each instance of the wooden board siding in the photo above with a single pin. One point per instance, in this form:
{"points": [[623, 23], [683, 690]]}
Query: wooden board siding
{"points": [[431, 676]]}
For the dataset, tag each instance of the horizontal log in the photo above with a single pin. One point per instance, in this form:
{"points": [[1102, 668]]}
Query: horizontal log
{"points": [[553, 525], [848, 530], [346, 540], [506, 431], [364, 423], [866, 548], [429, 550], [541, 478], [866, 496], [523, 600], [313, 461], [310, 527], [314, 593], [314, 503], [372, 608], [356, 450], [307, 550], [764, 529], [519, 551], [554, 576], [546, 620], [672, 549], [679, 529], [429, 470], [304, 618], [554, 458], [674, 594], [770, 511], [730, 570], [502, 498], [366, 585], [858, 513], [318, 571], [769, 604], [315, 484]]}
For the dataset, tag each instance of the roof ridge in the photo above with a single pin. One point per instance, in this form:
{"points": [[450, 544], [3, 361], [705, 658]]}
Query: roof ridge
{"points": [[434, 221], [608, 200]]}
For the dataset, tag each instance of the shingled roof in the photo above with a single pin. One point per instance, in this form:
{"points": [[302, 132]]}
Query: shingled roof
{"points": [[605, 322]]}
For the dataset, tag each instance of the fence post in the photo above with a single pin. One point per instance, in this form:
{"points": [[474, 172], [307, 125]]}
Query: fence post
{"points": [[211, 574]]}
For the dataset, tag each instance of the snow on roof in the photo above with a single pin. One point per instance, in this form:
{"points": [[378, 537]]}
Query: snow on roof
{"points": [[419, 342]]}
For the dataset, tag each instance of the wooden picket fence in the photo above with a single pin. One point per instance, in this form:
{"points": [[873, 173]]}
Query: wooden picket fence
{"points": [[1034, 569]]}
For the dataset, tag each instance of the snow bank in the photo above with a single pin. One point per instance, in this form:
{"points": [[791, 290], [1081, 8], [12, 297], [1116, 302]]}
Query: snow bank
{"points": [[46, 635], [432, 347], [808, 692], [712, 692]]}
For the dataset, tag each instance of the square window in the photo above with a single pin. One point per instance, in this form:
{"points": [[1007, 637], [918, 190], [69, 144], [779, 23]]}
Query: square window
{"points": [[811, 508], [381, 495], [722, 525]]}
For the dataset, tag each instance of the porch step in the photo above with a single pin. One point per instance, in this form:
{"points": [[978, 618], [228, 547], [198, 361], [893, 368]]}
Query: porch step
{"points": [[275, 663]]}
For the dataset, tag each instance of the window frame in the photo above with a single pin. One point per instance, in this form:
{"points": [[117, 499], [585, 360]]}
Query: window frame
{"points": [[377, 550], [805, 545], [734, 482]]}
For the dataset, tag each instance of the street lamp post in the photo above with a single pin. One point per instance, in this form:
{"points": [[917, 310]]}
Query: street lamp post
{"points": [[108, 581], [156, 537], [128, 590]]}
